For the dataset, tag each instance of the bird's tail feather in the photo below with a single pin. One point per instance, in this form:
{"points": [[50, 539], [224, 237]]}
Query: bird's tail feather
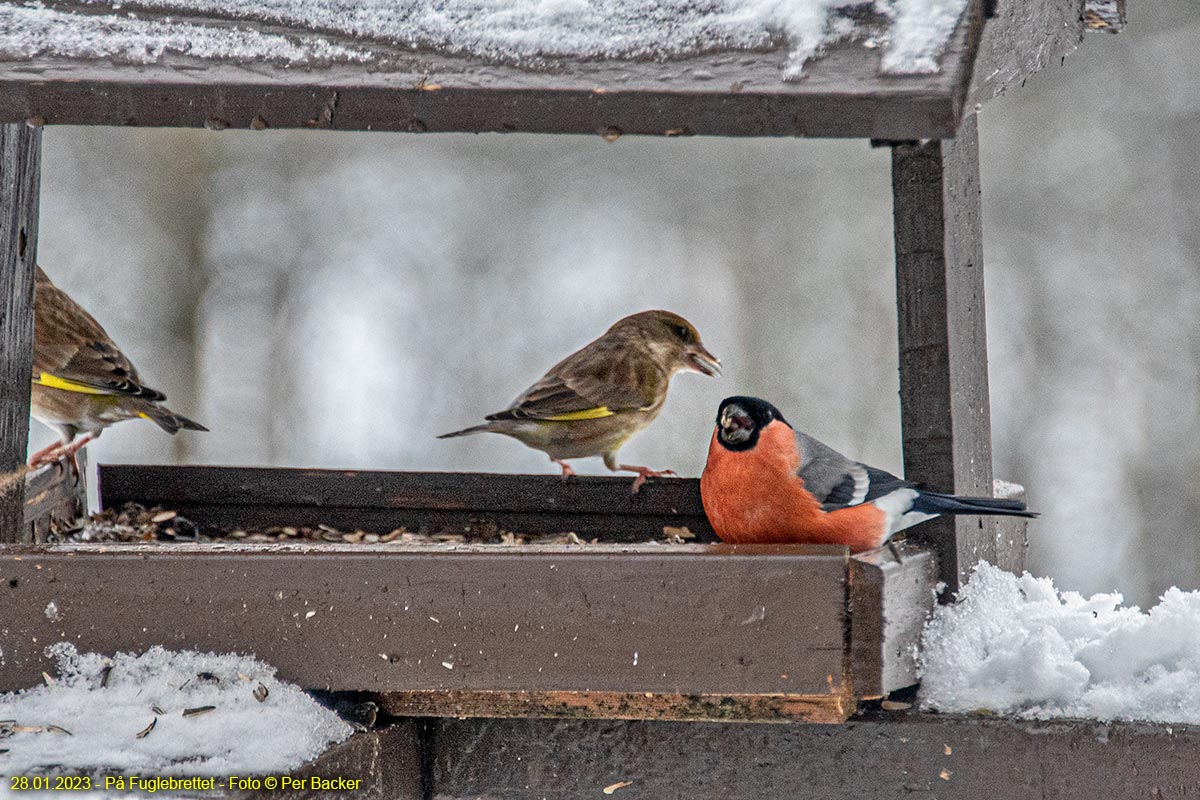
{"points": [[168, 420], [467, 431], [935, 503]]}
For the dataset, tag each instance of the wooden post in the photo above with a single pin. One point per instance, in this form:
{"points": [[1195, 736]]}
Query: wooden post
{"points": [[20, 167], [944, 405]]}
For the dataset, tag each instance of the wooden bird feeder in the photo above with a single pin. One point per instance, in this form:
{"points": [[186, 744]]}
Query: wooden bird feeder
{"points": [[620, 630]]}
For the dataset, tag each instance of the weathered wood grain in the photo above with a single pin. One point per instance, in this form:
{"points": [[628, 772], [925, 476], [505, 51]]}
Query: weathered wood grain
{"points": [[889, 603], [729, 94], [945, 411], [1024, 37], [20, 182], [592, 507], [387, 761], [55, 499], [925, 756], [677, 620]]}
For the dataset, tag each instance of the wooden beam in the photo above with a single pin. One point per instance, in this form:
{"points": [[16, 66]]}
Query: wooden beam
{"points": [[843, 93], [1023, 38], [879, 756], [890, 600], [451, 622], [20, 182], [235, 497], [945, 412]]}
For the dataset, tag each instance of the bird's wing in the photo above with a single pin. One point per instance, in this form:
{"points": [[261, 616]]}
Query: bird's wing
{"points": [[604, 378], [73, 352], [837, 481]]}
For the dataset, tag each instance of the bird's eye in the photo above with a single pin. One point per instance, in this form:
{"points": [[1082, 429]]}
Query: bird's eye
{"points": [[681, 332]]}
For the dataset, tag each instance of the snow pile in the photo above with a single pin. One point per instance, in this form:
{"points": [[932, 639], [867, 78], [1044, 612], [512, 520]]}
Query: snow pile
{"points": [[97, 715], [518, 31], [1017, 645]]}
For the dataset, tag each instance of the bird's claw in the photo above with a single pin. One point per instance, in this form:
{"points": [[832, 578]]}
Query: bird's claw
{"points": [[646, 472]]}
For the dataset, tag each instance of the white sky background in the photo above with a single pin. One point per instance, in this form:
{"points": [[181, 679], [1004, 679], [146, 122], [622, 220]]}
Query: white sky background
{"points": [[350, 296]]}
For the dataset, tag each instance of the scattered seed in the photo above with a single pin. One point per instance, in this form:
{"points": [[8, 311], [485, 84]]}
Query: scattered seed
{"points": [[244, 678], [144, 732], [164, 516], [198, 710], [57, 729], [894, 705], [104, 673], [945, 774], [610, 135], [612, 787], [49, 680], [157, 710], [260, 693]]}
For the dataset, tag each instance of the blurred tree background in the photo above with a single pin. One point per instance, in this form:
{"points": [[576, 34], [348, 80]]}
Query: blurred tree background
{"points": [[338, 300]]}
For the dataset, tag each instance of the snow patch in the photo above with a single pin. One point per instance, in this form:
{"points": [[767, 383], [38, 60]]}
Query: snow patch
{"points": [[259, 724], [1017, 645], [520, 31]]}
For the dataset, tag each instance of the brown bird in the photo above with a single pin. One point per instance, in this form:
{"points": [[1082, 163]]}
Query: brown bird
{"points": [[82, 382], [594, 400]]}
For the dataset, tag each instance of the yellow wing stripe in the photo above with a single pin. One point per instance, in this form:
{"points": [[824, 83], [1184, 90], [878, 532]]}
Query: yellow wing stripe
{"points": [[55, 382], [591, 413]]}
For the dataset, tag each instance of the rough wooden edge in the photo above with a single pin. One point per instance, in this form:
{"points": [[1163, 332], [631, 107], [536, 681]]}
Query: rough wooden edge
{"points": [[779, 708], [20, 185], [55, 499], [1006, 58], [890, 601]]}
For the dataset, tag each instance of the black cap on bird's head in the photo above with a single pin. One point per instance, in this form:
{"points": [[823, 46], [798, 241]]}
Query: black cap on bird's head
{"points": [[740, 419]]}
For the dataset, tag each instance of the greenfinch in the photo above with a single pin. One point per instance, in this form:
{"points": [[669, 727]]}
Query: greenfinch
{"points": [[594, 400], [82, 382]]}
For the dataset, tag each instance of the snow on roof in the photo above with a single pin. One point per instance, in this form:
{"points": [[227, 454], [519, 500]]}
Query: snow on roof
{"points": [[525, 32], [97, 717], [1019, 646]]}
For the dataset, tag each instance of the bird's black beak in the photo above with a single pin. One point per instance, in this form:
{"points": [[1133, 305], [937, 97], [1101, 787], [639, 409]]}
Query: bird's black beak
{"points": [[736, 424], [698, 359]]}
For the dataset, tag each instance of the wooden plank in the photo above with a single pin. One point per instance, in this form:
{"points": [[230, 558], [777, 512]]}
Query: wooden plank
{"points": [[592, 507], [1022, 38], [661, 619], [889, 603], [843, 93], [387, 762], [55, 499], [945, 412], [20, 182], [923, 756]]}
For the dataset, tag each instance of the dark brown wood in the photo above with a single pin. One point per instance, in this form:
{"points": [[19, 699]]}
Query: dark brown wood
{"points": [[730, 94], [388, 763], [889, 603], [20, 181], [903, 755], [945, 412], [592, 507], [1024, 37], [660, 619], [55, 499]]}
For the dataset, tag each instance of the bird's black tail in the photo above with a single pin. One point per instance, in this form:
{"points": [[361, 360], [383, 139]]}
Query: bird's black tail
{"points": [[935, 503], [168, 420]]}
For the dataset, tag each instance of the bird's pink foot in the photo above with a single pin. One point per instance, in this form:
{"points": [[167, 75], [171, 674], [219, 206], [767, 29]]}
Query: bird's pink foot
{"points": [[567, 472], [643, 473], [47, 455]]}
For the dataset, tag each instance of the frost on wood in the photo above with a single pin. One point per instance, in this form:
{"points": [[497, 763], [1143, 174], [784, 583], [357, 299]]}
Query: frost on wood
{"points": [[1017, 645], [524, 32], [97, 715]]}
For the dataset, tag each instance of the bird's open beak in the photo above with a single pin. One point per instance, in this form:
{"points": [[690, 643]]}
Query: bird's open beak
{"points": [[700, 360]]}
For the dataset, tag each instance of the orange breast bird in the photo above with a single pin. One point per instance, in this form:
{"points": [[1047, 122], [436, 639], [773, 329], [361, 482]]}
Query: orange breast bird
{"points": [[766, 483]]}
